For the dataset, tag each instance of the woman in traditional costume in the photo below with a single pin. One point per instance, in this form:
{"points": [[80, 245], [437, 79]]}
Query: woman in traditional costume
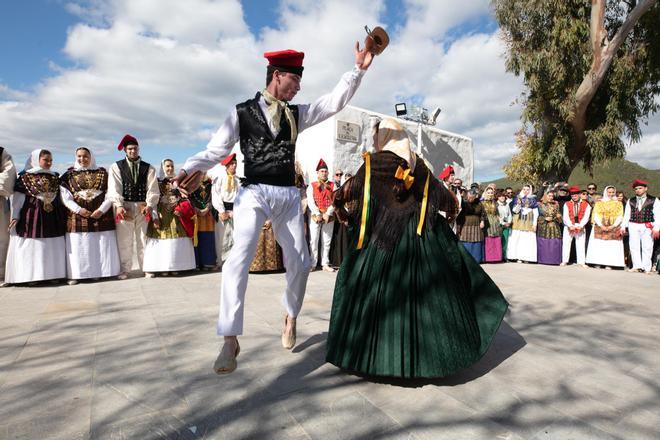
{"points": [[522, 241], [548, 231], [36, 246], [606, 241], [505, 218], [339, 244], [470, 225], [91, 241], [206, 217], [169, 247], [409, 300], [493, 235], [269, 254]]}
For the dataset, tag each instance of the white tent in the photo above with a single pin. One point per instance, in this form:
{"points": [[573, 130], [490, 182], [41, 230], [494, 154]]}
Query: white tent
{"points": [[342, 139]]}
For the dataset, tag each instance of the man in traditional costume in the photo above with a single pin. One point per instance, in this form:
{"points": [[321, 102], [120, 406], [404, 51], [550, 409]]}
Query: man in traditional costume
{"points": [[7, 180], [91, 241], [133, 189], [576, 215], [642, 221], [267, 127], [225, 189], [321, 216]]}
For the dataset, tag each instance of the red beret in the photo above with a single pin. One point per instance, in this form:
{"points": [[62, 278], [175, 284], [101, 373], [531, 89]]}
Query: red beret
{"points": [[574, 190], [638, 182], [227, 160], [286, 60], [446, 172], [321, 165], [125, 141]]}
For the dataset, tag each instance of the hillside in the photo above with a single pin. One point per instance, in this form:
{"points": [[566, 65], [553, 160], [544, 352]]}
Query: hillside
{"points": [[617, 172]]}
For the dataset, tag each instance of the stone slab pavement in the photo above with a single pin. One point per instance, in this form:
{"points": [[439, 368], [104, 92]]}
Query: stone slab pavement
{"points": [[578, 357]]}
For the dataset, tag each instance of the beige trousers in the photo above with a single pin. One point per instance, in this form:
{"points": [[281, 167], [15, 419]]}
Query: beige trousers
{"points": [[131, 232]]}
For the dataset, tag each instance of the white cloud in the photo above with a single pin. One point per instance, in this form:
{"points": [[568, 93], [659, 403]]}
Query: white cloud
{"points": [[168, 71]]}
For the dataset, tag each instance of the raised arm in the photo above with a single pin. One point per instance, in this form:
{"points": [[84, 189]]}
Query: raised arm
{"points": [[218, 147]]}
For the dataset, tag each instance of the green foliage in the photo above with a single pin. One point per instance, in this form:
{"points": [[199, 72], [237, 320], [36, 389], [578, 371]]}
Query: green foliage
{"points": [[549, 46], [618, 172]]}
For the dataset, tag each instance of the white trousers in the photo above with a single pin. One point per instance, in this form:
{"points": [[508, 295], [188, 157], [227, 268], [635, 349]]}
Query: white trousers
{"points": [[325, 231], [580, 250], [641, 246], [129, 232], [254, 204]]}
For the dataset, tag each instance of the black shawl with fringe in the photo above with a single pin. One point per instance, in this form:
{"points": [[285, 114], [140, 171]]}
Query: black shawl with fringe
{"points": [[392, 206]]}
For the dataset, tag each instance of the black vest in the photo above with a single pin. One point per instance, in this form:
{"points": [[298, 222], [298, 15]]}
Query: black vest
{"points": [[269, 160], [645, 215], [134, 192]]}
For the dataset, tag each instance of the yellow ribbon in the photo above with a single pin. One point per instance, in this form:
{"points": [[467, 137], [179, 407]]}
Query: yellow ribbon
{"points": [[365, 199], [404, 175], [425, 200], [195, 240]]}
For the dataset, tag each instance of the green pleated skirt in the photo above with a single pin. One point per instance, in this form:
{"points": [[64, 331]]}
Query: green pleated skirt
{"points": [[423, 309]]}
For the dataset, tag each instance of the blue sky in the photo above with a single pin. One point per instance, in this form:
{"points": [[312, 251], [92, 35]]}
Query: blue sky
{"points": [[33, 33], [168, 70]]}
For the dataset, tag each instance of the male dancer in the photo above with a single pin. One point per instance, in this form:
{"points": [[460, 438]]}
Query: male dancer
{"points": [[267, 128]]}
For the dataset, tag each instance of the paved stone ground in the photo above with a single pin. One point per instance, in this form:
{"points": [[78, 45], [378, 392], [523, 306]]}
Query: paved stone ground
{"points": [[578, 357]]}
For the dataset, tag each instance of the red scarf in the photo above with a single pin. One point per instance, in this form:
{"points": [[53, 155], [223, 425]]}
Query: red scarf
{"points": [[582, 208]]}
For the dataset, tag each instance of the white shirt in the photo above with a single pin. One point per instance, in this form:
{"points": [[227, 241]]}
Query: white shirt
{"points": [[116, 189], [568, 216], [7, 175], [219, 194], [228, 134]]}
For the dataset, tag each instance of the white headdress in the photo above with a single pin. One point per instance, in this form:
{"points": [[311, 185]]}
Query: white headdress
{"points": [[92, 160]]}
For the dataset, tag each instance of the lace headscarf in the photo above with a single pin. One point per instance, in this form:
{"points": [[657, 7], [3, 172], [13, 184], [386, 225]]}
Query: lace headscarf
{"points": [[32, 164], [161, 172], [92, 160]]}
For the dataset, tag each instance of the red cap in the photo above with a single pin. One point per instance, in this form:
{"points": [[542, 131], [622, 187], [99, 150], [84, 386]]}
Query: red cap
{"points": [[286, 60], [227, 160], [321, 165], [574, 190], [125, 141], [638, 182], [446, 172]]}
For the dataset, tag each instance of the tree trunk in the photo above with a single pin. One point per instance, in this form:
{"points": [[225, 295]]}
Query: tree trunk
{"points": [[603, 53]]}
